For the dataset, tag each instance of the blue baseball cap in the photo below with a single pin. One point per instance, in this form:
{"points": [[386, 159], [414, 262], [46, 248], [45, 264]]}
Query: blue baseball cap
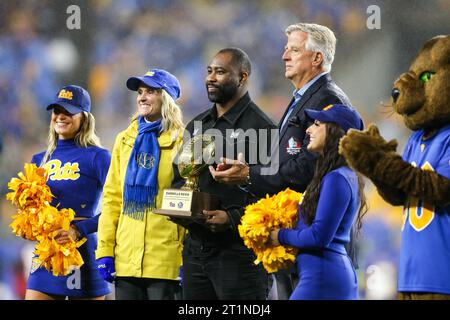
{"points": [[158, 79], [344, 116], [73, 98]]}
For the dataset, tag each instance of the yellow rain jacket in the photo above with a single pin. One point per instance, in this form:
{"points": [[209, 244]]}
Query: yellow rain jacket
{"points": [[143, 249]]}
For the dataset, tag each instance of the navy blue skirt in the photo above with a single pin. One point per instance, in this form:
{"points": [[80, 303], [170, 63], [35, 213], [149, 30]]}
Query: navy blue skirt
{"points": [[83, 282]]}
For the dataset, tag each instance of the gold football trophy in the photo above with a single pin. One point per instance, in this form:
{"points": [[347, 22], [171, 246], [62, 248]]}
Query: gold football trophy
{"points": [[188, 202]]}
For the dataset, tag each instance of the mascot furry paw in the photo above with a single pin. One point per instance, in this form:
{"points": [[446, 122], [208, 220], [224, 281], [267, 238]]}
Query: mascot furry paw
{"points": [[420, 180]]}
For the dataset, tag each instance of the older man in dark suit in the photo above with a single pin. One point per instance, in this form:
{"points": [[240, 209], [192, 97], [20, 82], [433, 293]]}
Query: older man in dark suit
{"points": [[308, 55]]}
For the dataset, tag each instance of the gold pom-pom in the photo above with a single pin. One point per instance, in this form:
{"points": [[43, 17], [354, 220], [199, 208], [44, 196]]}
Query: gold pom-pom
{"points": [[30, 189], [278, 211], [37, 220]]}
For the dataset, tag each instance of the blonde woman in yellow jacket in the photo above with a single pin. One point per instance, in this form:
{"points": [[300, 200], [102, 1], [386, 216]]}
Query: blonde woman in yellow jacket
{"points": [[139, 250]]}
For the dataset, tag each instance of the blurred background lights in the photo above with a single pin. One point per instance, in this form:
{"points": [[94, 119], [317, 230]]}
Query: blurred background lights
{"points": [[63, 55], [381, 281]]}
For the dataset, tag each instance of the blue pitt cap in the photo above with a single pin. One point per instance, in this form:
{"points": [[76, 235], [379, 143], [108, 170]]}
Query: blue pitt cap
{"points": [[344, 116], [74, 99], [158, 79]]}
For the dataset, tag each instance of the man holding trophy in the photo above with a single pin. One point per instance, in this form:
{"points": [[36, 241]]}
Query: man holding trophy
{"points": [[216, 263]]}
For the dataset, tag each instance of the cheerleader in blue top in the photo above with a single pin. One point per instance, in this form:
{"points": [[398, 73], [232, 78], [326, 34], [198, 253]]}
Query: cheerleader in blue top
{"points": [[77, 167], [333, 202]]}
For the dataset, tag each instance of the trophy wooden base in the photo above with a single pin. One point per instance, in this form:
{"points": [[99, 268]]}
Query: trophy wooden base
{"points": [[187, 204]]}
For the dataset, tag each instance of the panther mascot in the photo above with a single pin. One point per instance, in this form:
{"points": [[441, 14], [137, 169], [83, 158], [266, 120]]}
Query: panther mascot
{"points": [[420, 180]]}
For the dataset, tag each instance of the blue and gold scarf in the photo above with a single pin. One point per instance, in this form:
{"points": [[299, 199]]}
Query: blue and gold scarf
{"points": [[141, 178]]}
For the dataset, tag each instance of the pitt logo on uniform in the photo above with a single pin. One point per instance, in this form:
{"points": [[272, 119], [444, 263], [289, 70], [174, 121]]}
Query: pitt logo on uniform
{"points": [[65, 94], [57, 171]]}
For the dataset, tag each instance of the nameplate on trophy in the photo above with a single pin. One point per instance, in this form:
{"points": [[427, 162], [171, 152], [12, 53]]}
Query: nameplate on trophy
{"points": [[179, 200]]}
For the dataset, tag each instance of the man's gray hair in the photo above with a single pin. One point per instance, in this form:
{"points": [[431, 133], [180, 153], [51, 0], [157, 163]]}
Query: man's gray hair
{"points": [[320, 39]]}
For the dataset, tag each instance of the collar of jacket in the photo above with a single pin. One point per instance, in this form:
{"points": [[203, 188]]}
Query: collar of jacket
{"points": [[234, 113], [303, 100], [315, 86], [165, 138]]}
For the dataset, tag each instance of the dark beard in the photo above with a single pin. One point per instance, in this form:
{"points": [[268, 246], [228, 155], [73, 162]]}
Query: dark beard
{"points": [[224, 94]]}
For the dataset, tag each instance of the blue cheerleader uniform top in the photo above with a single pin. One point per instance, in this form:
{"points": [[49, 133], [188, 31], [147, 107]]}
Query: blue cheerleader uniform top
{"points": [[76, 177], [325, 270]]}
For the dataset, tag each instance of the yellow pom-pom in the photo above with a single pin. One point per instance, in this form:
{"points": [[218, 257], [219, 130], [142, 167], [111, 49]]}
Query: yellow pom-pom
{"points": [[59, 259], [30, 189], [278, 211], [37, 220]]}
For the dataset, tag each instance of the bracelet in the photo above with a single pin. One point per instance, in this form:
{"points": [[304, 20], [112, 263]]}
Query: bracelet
{"points": [[247, 180]]}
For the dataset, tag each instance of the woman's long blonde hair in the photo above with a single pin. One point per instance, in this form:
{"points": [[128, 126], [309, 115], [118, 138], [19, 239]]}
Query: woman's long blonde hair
{"points": [[85, 137], [172, 118]]}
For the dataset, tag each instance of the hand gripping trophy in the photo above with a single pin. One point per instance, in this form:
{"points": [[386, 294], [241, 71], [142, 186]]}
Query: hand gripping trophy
{"points": [[188, 202]]}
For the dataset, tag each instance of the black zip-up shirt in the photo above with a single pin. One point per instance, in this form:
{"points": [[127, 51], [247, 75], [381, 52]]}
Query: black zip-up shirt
{"points": [[243, 115]]}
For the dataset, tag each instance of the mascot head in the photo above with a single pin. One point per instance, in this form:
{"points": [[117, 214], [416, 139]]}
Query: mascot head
{"points": [[422, 95]]}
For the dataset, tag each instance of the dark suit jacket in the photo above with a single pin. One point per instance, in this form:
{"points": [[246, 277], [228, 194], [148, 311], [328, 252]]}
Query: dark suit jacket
{"points": [[296, 164]]}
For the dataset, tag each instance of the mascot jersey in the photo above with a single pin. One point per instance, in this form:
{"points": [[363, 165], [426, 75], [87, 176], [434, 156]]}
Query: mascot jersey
{"points": [[76, 177], [425, 252]]}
